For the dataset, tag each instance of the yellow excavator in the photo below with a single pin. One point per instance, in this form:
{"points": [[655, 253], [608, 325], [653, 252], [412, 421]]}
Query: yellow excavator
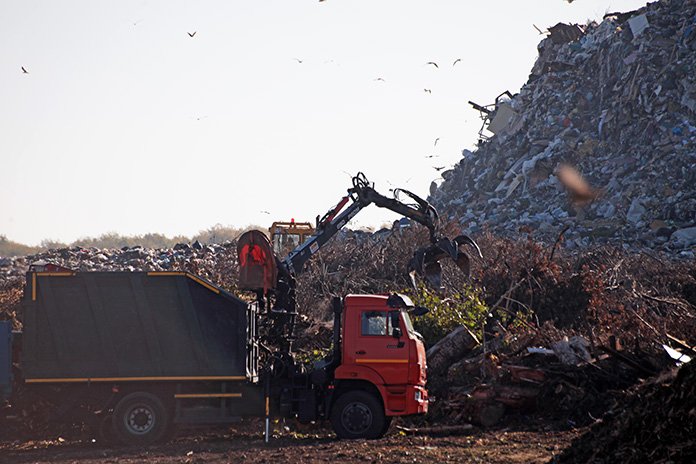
{"points": [[286, 236]]}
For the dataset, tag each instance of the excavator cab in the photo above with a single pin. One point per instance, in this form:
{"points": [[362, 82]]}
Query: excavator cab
{"points": [[286, 236]]}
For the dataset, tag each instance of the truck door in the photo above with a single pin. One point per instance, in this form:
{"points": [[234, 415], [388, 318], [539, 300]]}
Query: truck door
{"points": [[377, 347]]}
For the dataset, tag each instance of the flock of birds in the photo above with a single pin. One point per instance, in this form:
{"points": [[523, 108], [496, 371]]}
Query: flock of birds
{"points": [[299, 61], [428, 91]]}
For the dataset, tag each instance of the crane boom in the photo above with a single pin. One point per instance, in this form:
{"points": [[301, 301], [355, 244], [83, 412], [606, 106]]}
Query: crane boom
{"points": [[425, 261], [362, 194]]}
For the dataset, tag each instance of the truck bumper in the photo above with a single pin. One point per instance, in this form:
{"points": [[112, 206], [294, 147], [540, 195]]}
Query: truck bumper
{"points": [[406, 400]]}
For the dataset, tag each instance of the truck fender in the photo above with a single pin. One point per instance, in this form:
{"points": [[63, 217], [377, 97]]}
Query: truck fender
{"points": [[347, 375]]}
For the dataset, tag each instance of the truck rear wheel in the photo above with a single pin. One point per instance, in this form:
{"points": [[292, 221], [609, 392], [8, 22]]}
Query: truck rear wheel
{"points": [[140, 419], [358, 414]]}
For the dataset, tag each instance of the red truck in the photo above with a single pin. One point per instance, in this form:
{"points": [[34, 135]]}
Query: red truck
{"points": [[382, 372]]}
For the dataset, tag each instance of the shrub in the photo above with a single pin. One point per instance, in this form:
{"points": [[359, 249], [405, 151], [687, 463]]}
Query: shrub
{"points": [[464, 307]]}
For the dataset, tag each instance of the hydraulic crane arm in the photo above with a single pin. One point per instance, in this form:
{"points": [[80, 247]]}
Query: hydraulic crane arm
{"points": [[362, 194], [273, 279]]}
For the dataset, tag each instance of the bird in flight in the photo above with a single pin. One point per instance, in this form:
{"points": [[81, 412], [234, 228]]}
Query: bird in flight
{"points": [[456, 61], [436, 140], [380, 79], [298, 60], [427, 91], [438, 168], [266, 212], [432, 156], [24, 70], [191, 34], [581, 193], [433, 63]]}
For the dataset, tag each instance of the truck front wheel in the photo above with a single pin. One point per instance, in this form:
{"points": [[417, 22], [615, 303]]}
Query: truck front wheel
{"points": [[140, 419], [358, 414]]}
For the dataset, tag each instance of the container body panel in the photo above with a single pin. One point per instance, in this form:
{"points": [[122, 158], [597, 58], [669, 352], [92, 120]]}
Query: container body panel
{"points": [[99, 325]]}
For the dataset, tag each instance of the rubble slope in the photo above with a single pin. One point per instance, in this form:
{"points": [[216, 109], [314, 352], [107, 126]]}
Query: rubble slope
{"points": [[616, 100]]}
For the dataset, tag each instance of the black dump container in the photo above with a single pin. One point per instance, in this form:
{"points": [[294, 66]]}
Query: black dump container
{"points": [[111, 326]]}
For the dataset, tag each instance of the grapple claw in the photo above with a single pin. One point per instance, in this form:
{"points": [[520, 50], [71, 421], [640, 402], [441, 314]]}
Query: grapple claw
{"points": [[426, 260], [466, 240]]}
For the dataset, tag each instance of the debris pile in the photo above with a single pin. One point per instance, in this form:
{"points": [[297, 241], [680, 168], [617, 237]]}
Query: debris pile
{"points": [[566, 332], [216, 263], [615, 100], [570, 382], [653, 423], [137, 258], [542, 371]]}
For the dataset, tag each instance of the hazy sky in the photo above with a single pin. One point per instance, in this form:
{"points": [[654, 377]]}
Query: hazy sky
{"points": [[125, 123]]}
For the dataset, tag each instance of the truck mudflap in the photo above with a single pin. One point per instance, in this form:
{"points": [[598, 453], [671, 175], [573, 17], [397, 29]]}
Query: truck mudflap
{"points": [[404, 400], [5, 359]]}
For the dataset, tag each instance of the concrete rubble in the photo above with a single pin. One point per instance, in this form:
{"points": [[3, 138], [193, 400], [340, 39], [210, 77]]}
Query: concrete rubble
{"points": [[183, 255], [616, 100]]}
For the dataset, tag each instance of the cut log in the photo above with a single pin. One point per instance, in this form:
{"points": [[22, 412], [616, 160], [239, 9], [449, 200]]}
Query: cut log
{"points": [[452, 348], [465, 371]]}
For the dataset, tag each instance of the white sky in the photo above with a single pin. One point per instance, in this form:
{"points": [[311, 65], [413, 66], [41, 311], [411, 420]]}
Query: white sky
{"points": [[124, 123]]}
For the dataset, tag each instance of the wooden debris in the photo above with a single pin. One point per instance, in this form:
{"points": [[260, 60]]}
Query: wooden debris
{"points": [[453, 347]]}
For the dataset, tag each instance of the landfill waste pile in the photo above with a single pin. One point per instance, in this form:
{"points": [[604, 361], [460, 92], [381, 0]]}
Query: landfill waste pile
{"points": [[214, 262], [654, 423], [195, 255], [614, 105]]}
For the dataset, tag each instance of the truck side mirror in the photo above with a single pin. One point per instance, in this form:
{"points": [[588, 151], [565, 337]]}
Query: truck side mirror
{"points": [[420, 311], [396, 332]]}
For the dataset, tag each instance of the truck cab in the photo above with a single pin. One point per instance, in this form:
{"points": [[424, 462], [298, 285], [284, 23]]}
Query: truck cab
{"points": [[382, 370]]}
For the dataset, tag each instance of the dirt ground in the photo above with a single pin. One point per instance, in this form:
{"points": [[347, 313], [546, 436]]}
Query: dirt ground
{"points": [[242, 444]]}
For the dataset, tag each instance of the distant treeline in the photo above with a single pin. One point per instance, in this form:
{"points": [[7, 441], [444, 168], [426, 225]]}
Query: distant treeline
{"points": [[216, 234]]}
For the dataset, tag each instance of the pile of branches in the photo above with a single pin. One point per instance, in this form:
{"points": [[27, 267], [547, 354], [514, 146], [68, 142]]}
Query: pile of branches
{"points": [[10, 302], [600, 293]]}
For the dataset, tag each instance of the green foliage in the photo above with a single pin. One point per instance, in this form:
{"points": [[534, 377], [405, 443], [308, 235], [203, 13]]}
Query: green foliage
{"points": [[10, 248], [48, 244], [215, 234], [221, 234], [114, 240], [465, 307]]}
